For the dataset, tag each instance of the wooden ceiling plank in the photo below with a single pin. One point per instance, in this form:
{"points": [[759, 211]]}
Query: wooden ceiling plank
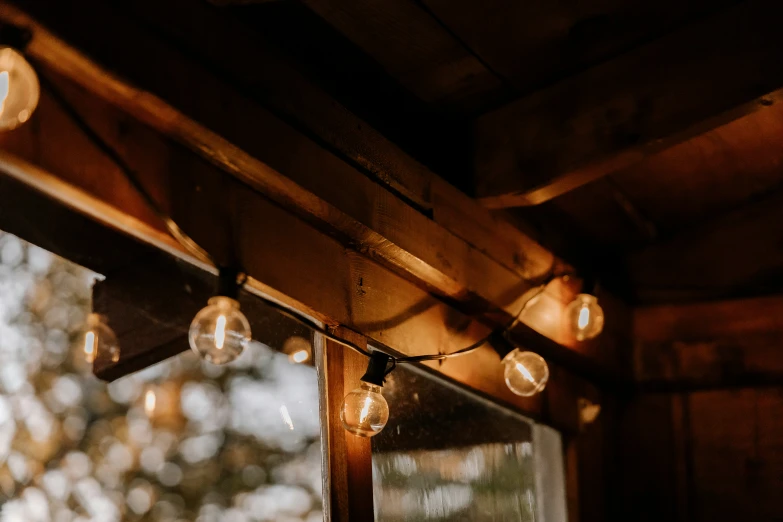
{"points": [[416, 50], [536, 43], [735, 254], [226, 44], [697, 181], [719, 344], [619, 113]]}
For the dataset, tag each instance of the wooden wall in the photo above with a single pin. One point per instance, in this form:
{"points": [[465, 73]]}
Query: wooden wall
{"points": [[706, 442]]}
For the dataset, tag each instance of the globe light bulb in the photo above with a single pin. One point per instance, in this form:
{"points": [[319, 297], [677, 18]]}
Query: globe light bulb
{"points": [[365, 411], [99, 340], [220, 331], [526, 373], [585, 317], [19, 89]]}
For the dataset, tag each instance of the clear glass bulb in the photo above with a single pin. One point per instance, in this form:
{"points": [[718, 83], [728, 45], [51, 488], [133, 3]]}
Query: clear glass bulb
{"points": [[99, 340], [19, 89], [526, 373], [220, 331], [585, 317], [365, 411]]}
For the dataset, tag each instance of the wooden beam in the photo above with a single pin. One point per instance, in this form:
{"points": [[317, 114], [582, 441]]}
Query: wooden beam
{"points": [[224, 44], [369, 216], [616, 114], [350, 457], [724, 344], [308, 108]]}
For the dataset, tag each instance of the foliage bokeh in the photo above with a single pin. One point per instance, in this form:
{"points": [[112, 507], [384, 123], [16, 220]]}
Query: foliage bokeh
{"points": [[180, 441]]}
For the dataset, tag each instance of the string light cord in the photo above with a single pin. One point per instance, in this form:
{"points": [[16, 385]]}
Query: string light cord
{"points": [[481, 342], [190, 245]]}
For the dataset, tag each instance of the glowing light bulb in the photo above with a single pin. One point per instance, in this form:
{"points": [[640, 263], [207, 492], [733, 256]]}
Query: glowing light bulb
{"points": [[585, 317], [298, 349], [99, 340], [526, 373], [365, 411], [19, 89], [220, 331]]}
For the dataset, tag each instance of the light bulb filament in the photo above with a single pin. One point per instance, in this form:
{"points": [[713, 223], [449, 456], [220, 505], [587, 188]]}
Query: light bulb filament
{"points": [[4, 88], [584, 318], [365, 410], [525, 373], [220, 332], [89, 346]]}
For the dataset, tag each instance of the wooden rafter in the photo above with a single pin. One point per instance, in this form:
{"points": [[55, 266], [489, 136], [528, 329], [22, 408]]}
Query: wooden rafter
{"points": [[699, 346], [416, 49], [616, 114]]}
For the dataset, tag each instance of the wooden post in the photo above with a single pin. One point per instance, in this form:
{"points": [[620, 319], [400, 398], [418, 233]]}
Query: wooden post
{"points": [[349, 458], [572, 479]]}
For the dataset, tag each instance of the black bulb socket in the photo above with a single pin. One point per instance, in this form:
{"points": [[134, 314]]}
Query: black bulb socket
{"points": [[500, 342], [228, 285], [376, 368], [14, 36]]}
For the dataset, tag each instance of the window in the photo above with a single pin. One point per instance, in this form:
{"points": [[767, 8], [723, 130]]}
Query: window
{"points": [[179, 441], [450, 455]]}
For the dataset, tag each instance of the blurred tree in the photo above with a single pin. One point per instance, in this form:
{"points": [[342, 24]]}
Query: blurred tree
{"points": [[181, 441]]}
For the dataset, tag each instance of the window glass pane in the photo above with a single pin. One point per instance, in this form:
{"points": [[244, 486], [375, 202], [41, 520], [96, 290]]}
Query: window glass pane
{"points": [[550, 474], [180, 441], [449, 455]]}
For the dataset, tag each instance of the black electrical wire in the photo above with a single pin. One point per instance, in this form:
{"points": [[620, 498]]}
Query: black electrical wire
{"points": [[478, 344], [197, 251]]}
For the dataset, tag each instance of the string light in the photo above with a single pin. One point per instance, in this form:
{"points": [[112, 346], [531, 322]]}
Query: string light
{"points": [[585, 317], [19, 89], [220, 331], [98, 339]]}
